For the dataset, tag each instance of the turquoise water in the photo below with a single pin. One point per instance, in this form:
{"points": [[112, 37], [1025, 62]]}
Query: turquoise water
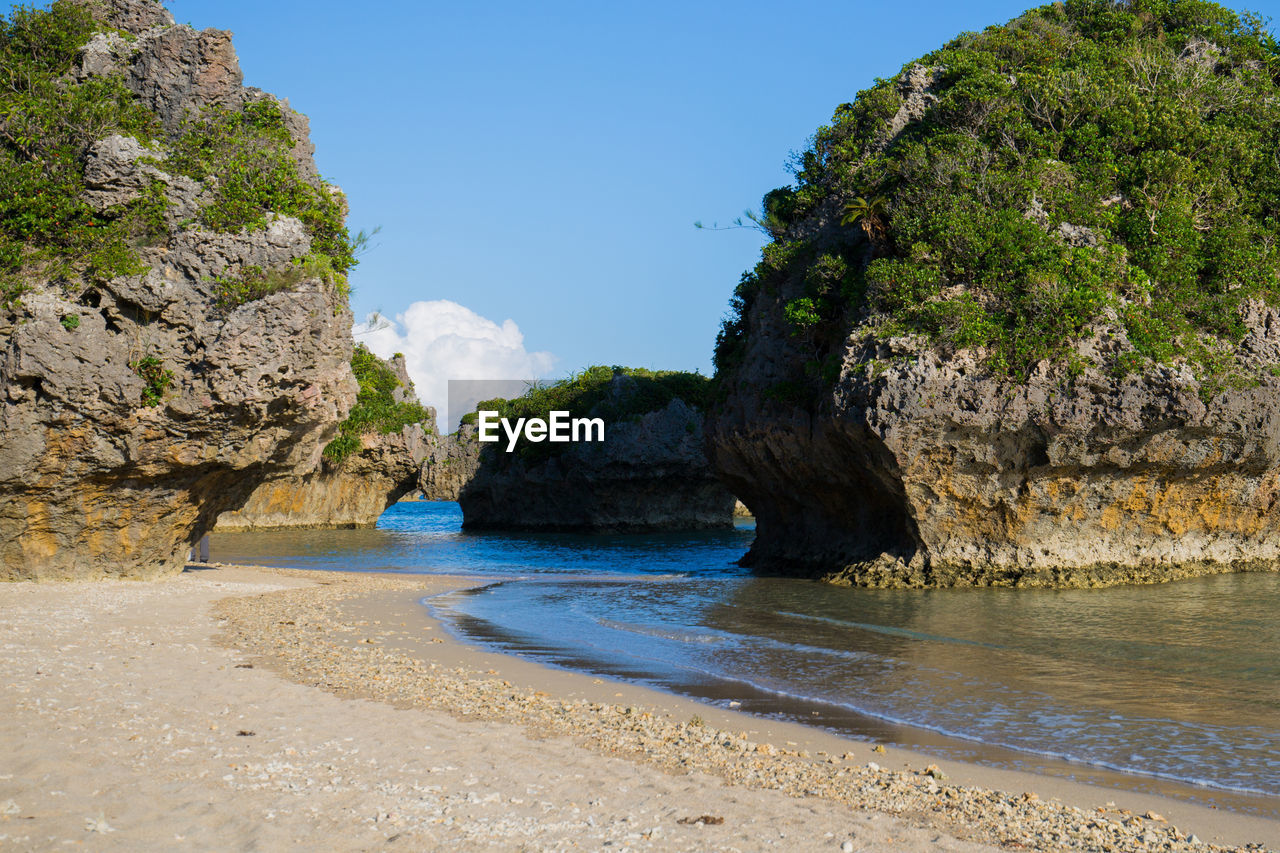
{"points": [[1177, 682]]}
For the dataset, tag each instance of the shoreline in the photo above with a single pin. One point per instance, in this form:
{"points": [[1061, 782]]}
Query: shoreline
{"points": [[235, 707], [926, 745], [397, 620]]}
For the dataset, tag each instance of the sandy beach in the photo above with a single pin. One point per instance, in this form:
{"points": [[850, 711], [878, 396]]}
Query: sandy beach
{"points": [[237, 709]]}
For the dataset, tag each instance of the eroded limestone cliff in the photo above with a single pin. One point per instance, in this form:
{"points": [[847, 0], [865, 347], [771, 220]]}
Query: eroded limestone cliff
{"points": [[354, 490], [138, 407], [451, 462], [923, 470]]}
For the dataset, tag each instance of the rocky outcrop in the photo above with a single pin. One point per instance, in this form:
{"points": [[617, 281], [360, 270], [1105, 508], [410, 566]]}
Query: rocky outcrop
{"points": [[346, 494], [138, 409], [351, 494], [650, 473], [451, 463], [916, 89], [132, 16], [964, 359], [924, 470], [177, 71]]}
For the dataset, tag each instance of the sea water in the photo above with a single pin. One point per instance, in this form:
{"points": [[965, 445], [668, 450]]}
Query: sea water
{"points": [[1176, 683]]}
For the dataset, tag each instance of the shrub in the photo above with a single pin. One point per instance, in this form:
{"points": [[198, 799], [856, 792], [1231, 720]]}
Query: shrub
{"points": [[376, 410], [802, 312], [152, 371]]}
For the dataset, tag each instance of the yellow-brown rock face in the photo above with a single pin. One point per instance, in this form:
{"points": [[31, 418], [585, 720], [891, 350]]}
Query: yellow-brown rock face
{"points": [[351, 494], [924, 470]]}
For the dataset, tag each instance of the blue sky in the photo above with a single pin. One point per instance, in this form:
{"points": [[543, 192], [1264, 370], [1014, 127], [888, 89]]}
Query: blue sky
{"points": [[544, 162]]}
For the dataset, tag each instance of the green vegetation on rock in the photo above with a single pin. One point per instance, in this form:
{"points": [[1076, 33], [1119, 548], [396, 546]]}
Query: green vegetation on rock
{"points": [[376, 410], [255, 282], [1087, 161], [48, 121], [151, 370], [591, 393], [595, 393], [248, 151]]}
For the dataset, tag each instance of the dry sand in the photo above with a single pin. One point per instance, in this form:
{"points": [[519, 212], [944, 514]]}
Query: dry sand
{"points": [[219, 711]]}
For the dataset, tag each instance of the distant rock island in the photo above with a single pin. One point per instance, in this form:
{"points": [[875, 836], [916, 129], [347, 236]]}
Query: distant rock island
{"points": [[173, 312], [376, 459], [1017, 323], [650, 472]]}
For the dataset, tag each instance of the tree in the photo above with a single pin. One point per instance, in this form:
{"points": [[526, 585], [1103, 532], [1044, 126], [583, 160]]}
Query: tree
{"points": [[870, 214]]}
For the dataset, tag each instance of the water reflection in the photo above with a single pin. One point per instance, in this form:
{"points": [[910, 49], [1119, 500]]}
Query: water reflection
{"points": [[1081, 676]]}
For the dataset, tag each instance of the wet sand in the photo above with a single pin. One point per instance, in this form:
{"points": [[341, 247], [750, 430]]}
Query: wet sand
{"points": [[234, 708]]}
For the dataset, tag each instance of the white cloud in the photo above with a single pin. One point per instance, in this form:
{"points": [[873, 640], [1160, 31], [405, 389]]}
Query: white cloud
{"points": [[442, 340]]}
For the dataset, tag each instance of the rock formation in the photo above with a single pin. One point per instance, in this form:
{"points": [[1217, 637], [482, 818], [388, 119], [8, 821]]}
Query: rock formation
{"points": [[351, 492], [650, 473], [138, 407], [927, 471], [966, 361], [451, 463]]}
